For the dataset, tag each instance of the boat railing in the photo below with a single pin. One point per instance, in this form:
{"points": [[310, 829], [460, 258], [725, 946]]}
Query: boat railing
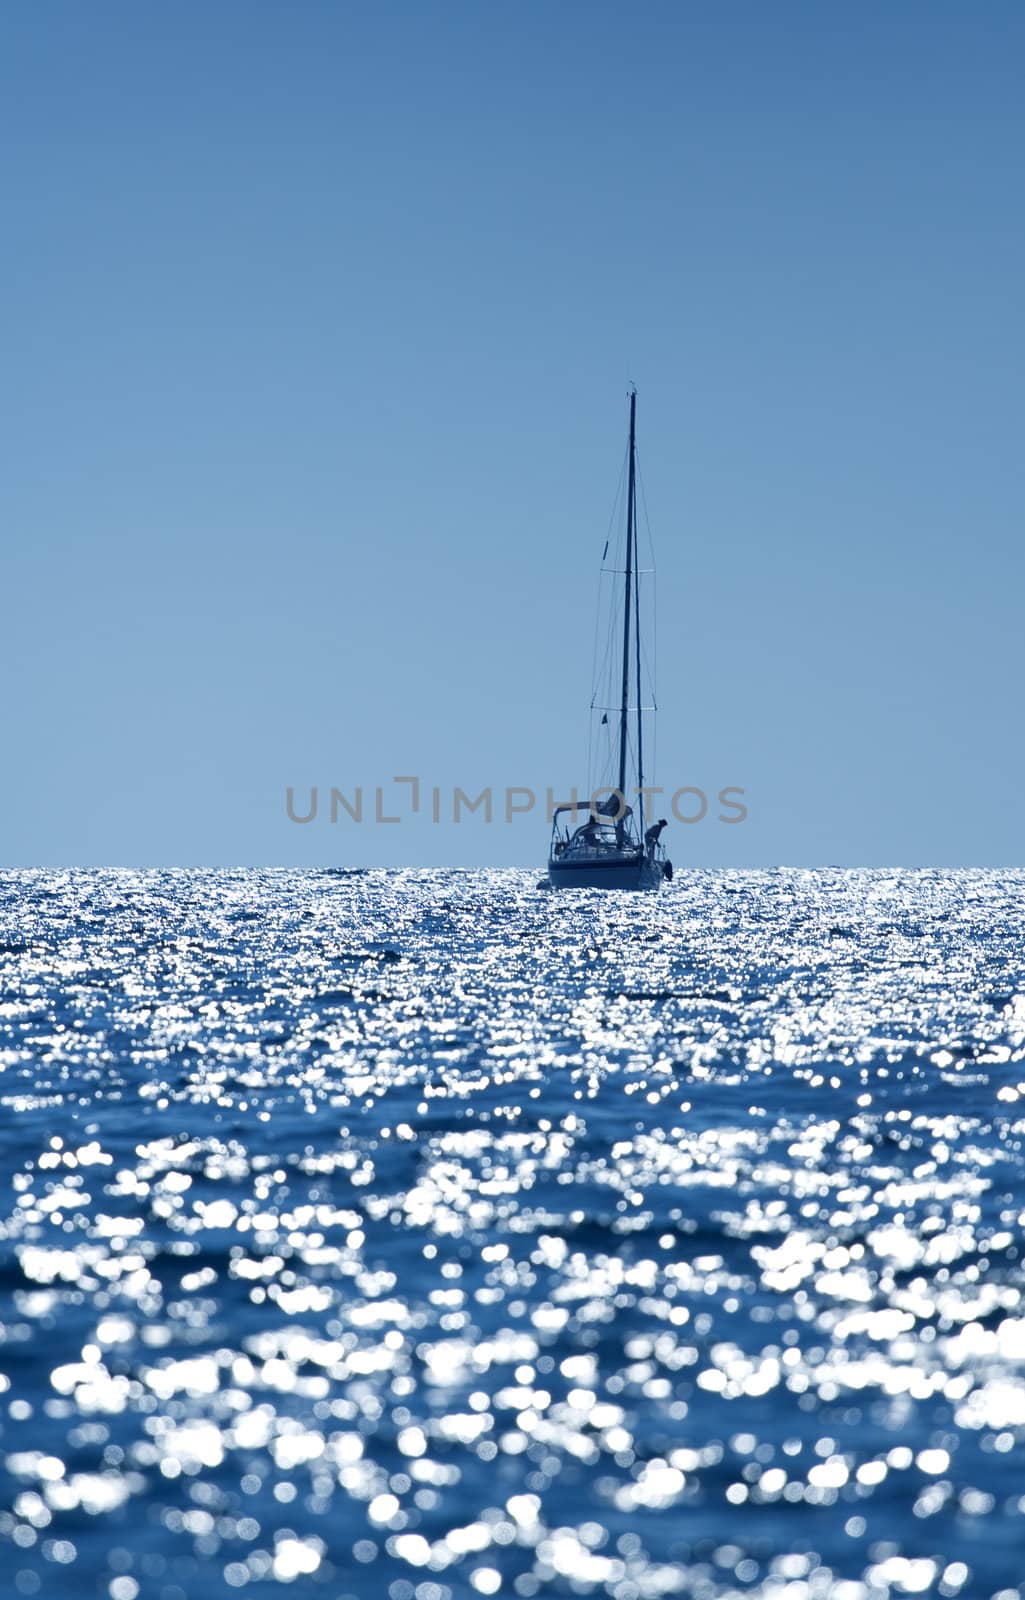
{"points": [[582, 850]]}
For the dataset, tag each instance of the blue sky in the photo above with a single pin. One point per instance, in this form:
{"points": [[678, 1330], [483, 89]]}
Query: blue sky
{"points": [[319, 323]]}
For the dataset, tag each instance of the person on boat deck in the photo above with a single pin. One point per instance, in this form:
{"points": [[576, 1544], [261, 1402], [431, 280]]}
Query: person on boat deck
{"points": [[653, 834]]}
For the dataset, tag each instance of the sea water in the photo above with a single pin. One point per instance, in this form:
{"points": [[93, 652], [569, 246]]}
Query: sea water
{"points": [[422, 1235]]}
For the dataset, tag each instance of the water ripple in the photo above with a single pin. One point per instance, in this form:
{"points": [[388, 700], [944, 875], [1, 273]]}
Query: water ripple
{"points": [[419, 1234]]}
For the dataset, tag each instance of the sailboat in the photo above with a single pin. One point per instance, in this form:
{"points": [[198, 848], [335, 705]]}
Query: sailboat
{"points": [[612, 848]]}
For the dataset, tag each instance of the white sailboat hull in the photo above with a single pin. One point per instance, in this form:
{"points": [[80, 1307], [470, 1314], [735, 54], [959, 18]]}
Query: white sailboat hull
{"points": [[638, 874]]}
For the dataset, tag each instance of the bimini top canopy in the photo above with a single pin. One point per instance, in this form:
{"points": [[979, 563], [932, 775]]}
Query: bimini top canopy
{"points": [[608, 808]]}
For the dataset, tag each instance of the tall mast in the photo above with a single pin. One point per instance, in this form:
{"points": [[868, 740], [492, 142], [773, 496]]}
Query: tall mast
{"points": [[625, 704], [637, 649]]}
